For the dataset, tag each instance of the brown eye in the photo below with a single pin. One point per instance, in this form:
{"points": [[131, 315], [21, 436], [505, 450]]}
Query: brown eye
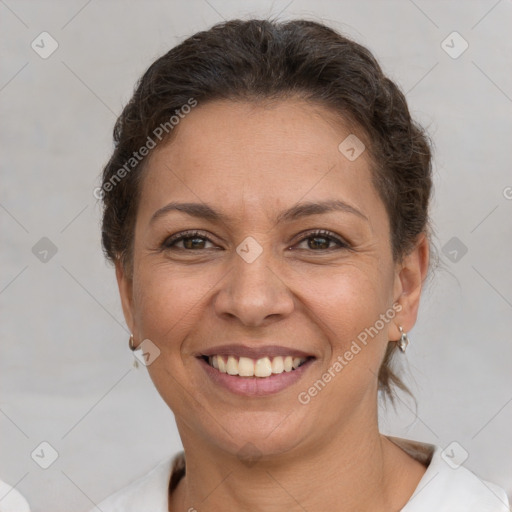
{"points": [[322, 240], [192, 240]]}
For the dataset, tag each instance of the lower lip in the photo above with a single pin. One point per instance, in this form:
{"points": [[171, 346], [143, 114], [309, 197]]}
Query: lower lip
{"points": [[255, 386]]}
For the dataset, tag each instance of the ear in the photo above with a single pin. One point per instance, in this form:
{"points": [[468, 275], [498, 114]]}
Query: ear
{"points": [[409, 277], [125, 285]]}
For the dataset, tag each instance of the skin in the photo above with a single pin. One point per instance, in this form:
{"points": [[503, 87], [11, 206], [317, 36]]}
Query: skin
{"points": [[251, 162]]}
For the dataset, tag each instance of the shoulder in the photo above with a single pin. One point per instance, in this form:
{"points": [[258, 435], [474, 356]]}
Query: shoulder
{"points": [[447, 486], [11, 499], [149, 492]]}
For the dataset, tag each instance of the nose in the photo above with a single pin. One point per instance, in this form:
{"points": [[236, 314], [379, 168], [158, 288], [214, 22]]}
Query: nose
{"points": [[254, 292]]}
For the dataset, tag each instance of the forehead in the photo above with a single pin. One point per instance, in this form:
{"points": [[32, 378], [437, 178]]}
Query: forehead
{"points": [[241, 155]]}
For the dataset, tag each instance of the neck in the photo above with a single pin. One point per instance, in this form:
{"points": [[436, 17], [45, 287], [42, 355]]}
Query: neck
{"points": [[355, 469]]}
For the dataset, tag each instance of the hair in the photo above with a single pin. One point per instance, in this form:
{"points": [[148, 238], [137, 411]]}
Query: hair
{"points": [[265, 60]]}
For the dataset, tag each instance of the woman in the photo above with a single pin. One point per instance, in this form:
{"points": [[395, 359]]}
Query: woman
{"points": [[266, 209]]}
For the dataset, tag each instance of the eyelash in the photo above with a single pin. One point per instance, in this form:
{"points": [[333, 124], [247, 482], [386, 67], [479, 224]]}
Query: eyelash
{"points": [[169, 243]]}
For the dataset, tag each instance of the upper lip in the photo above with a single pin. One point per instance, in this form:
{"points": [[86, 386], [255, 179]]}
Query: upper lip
{"points": [[253, 352]]}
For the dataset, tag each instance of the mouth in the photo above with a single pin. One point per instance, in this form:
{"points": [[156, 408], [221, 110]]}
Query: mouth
{"points": [[263, 367], [254, 372]]}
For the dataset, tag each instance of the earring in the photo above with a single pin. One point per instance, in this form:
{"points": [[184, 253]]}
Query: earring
{"points": [[403, 341], [132, 348]]}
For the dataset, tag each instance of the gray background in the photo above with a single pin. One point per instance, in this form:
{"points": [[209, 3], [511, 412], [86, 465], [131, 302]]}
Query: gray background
{"points": [[66, 374]]}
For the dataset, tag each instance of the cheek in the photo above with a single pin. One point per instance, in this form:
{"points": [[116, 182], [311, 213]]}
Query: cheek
{"points": [[168, 302], [168, 310], [342, 302], [353, 307], [350, 298]]}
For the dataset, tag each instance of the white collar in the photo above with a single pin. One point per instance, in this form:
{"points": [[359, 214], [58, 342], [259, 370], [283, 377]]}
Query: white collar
{"points": [[442, 488], [449, 488]]}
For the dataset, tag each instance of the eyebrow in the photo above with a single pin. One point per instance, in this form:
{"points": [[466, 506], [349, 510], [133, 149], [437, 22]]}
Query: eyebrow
{"points": [[203, 211]]}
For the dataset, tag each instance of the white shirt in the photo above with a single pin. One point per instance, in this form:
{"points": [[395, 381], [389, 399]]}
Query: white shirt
{"points": [[11, 500], [443, 488]]}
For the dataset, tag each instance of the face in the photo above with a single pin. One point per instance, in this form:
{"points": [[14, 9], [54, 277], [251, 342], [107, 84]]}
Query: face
{"points": [[268, 281]]}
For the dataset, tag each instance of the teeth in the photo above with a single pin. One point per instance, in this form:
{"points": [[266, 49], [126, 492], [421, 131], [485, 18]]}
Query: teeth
{"points": [[232, 366], [263, 367], [278, 365], [220, 363], [247, 367]]}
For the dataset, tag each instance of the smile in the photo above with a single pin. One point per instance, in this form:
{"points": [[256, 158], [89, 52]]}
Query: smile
{"points": [[254, 371], [247, 367]]}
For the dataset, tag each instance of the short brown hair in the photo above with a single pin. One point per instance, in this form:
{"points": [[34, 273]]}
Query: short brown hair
{"points": [[264, 60]]}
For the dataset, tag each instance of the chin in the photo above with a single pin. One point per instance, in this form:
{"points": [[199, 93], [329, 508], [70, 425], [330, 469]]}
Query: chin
{"points": [[258, 435]]}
